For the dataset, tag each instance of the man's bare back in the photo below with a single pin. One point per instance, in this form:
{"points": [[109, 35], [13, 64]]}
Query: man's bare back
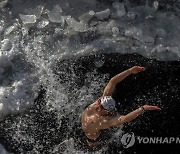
{"points": [[98, 115], [91, 120]]}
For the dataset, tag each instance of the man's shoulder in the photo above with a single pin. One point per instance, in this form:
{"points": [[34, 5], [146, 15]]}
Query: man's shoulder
{"points": [[92, 105]]}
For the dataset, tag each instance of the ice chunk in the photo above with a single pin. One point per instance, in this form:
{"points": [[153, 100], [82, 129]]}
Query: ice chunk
{"points": [[120, 9], [160, 48], [145, 39], [133, 31], [115, 31], [166, 53], [87, 16], [39, 39], [103, 14], [28, 19], [3, 3], [174, 50], [55, 14], [43, 23], [156, 4], [58, 32], [10, 29], [37, 11], [131, 15], [75, 25], [149, 17], [162, 33], [18, 96], [4, 62], [6, 45]]}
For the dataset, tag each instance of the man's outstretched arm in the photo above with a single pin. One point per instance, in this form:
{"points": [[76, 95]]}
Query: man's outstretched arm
{"points": [[119, 120], [119, 77]]}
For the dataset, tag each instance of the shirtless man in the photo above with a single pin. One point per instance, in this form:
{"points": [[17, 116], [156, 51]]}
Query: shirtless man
{"points": [[98, 115]]}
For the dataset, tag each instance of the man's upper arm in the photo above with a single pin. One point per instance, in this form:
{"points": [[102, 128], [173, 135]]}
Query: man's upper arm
{"points": [[109, 88], [115, 121]]}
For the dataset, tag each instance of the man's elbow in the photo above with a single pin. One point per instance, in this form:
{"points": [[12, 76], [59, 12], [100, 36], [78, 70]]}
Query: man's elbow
{"points": [[119, 121], [126, 119], [113, 81], [123, 119]]}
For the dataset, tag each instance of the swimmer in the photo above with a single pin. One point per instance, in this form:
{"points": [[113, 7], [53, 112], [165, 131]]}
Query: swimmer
{"points": [[99, 115]]}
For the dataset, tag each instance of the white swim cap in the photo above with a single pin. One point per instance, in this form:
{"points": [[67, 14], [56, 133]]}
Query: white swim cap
{"points": [[108, 102]]}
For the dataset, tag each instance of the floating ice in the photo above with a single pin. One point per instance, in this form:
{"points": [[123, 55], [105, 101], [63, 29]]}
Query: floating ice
{"points": [[39, 39], [28, 19], [37, 11], [55, 14], [103, 29], [159, 48], [19, 96], [131, 15], [133, 31], [4, 61], [174, 50], [115, 31], [10, 29], [120, 9], [103, 14], [156, 4], [18, 89], [161, 33], [43, 23], [75, 25], [6, 45], [145, 39], [87, 16], [3, 3], [162, 52], [107, 28]]}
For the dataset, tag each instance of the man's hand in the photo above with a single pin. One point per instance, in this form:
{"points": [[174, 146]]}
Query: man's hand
{"points": [[136, 69], [151, 107]]}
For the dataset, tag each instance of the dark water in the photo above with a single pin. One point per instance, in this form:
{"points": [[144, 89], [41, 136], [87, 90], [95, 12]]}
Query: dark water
{"points": [[158, 85]]}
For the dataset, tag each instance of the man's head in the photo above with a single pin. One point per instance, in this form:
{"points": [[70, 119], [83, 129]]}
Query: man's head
{"points": [[106, 104]]}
